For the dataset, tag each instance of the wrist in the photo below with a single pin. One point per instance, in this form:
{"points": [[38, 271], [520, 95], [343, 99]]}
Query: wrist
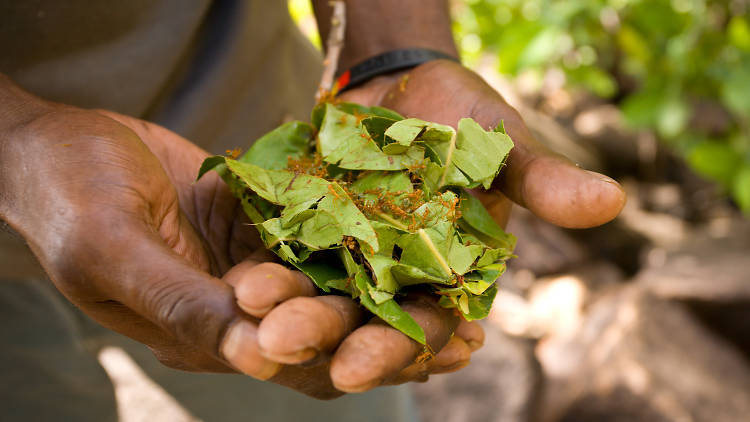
{"points": [[376, 27], [18, 107], [386, 64]]}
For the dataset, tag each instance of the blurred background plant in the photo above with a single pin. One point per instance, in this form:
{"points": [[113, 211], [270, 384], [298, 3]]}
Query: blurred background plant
{"points": [[678, 68]]}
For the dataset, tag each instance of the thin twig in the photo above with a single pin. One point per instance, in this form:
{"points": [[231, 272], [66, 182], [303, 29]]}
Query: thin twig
{"points": [[334, 45]]}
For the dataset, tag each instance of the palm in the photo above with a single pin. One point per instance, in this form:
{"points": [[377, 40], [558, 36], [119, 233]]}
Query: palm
{"points": [[218, 236]]}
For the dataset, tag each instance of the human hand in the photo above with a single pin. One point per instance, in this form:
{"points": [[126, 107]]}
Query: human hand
{"points": [[107, 204], [546, 183]]}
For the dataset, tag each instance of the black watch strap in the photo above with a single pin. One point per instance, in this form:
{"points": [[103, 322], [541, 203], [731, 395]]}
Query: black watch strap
{"points": [[387, 62]]}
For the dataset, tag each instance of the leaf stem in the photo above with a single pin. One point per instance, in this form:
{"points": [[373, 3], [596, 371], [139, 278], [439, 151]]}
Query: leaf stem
{"points": [[431, 246]]}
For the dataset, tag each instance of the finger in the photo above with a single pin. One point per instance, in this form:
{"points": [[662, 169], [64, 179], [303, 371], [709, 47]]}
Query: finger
{"points": [[259, 287], [472, 333], [303, 328], [454, 356], [377, 352], [240, 347], [548, 184], [556, 190]]}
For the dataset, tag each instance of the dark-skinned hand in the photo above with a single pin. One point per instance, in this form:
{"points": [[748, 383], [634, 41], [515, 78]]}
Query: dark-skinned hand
{"points": [[546, 183]]}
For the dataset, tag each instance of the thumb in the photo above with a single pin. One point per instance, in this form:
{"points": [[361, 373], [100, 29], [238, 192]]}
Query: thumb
{"points": [[192, 306], [554, 188]]}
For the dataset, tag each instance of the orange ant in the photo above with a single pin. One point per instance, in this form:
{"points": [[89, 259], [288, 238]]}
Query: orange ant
{"points": [[233, 153]]}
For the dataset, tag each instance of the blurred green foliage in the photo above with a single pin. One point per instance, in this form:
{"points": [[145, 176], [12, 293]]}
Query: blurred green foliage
{"points": [[663, 62]]}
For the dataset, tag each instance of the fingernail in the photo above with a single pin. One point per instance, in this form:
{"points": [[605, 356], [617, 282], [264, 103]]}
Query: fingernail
{"points": [[604, 178], [240, 349], [257, 312], [292, 358], [452, 368], [474, 345]]}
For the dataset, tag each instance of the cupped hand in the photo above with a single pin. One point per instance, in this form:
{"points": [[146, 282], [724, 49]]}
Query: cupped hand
{"points": [[108, 205], [548, 184]]}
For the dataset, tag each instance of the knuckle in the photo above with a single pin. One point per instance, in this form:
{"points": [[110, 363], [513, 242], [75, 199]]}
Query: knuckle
{"points": [[270, 273]]}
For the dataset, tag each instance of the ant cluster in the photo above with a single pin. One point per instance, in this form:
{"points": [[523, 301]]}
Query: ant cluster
{"points": [[379, 203]]}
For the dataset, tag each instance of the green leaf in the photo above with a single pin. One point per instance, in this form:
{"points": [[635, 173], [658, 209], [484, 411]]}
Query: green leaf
{"points": [[336, 215], [321, 273], [428, 249], [276, 232], [382, 261], [254, 206], [377, 111], [209, 164], [407, 275], [461, 257], [376, 127], [379, 296], [405, 132], [272, 150], [388, 311], [480, 154], [477, 282], [438, 210], [305, 219], [343, 142], [349, 264], [346, 214], [493, 256], [479, 220], [345, 285], [436, 177], [383, 181], [479, 305], [280, 187], [471, 306]]}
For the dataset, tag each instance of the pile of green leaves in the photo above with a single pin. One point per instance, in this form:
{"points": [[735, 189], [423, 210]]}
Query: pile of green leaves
{"points": [[373, 205]]}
